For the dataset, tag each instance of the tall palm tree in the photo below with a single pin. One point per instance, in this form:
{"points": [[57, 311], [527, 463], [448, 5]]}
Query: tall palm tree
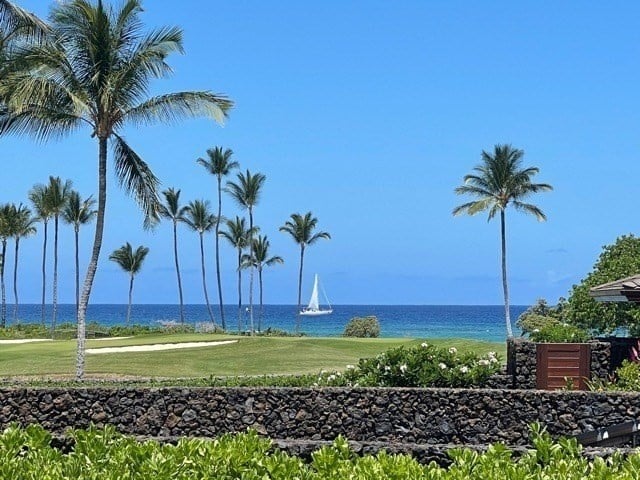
{"points": [[220, 165], [7, 222], [78, 212], [500, 181], [39, 200], [301, 230], [14, 18], [199, 218], [96, 71], [57, 194], [24, 226], [238, 236], [131, 262], [246, 192], [261, 259], [172, 210]]}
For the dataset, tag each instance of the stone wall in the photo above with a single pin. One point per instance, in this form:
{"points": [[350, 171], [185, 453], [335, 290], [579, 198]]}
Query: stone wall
{"points": [[521, 362], [391, 416]]}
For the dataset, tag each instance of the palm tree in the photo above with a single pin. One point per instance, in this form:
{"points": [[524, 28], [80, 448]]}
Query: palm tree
{"points": [[201, 220], [301, 230], [78, 212], [247, 194], [14, 18], [7, 222], [23, 227], [39, 200], [130, 262], [237, 235], [261, 259], [96, 71], [501, 181], [220, 165], [57, 195], [172, 210]]}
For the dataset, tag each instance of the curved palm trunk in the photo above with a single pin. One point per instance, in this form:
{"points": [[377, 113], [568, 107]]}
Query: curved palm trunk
{"points": [[204, 279], [222, 320], [261, 305], [239, 290], [3, 319], [175, 256], [76, 229], [130, 298], [15, 283], [44, 272], [251, 257], [299, 289], [95, 254], [505, 286], [55, 275]]}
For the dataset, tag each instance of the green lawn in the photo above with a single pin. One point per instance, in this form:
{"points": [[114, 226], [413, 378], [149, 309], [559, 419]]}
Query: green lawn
{"points": [[249, 356]]}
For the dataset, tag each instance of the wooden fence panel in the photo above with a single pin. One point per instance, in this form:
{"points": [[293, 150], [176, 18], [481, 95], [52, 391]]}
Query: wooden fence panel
{"points": [[558, 362]]}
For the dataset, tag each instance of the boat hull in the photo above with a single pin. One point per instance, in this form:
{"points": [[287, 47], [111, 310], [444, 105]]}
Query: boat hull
{"points": [[315, 313]]}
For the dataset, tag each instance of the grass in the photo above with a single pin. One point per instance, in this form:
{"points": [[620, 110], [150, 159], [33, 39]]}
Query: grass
{"points": [[249, 356]]}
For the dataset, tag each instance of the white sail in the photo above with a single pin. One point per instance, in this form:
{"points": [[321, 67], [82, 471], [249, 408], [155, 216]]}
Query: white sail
{"points": [[314, 305], [313, 302]]}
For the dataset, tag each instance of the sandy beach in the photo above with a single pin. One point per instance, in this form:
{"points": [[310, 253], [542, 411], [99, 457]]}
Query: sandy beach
{"points": [[158, 346]]}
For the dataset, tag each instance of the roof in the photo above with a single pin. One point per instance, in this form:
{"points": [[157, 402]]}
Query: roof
{"points": [[623, 290]]}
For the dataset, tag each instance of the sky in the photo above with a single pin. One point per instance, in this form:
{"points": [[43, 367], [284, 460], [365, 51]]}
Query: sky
{"points": [[369, 114]]}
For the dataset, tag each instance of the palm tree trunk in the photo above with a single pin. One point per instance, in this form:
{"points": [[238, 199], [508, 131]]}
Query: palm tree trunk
{"points": [[55, 275], [130, 298], [76, 232], [175, 256], [239, 290], [15, 283], [204, 280], [251, 256], [44, 272], [261, 306], [95, 254], [505, 286], [224, 324], [299, 289], [3, 314]]}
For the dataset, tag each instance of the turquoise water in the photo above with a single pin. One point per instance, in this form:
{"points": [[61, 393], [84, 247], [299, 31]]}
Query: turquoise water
{"points": [[482, 322]]}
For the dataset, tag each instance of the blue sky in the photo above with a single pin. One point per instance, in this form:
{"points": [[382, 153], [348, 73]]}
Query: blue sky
{"points": [[369, 114]]}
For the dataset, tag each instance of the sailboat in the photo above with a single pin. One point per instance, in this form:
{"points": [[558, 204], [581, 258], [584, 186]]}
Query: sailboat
{"points": [[313, 308]]}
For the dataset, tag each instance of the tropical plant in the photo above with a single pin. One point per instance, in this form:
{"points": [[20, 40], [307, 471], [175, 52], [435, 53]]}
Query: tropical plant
{"points": [[246, 192], [618, 260], [96, 71], [78, 212], [57, 195], [260, 259], [363, 327], [39, 200], [237, 235], [131, 262], [23, 226], [500, 181], [301, 230], [220, 165], [7, 221], [171, 210], [199, 218]]}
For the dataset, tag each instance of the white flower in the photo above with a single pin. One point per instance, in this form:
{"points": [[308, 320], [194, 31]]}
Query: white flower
{"points": [[350, 367], [442, 366], [322, 372], [453, 350], [464, 369], [430, 357], [491, 354], [387, 368], [483, 362], [424, 344], [536, 330], [403, 367], [338, 374], [493, 360], [331, 378]]}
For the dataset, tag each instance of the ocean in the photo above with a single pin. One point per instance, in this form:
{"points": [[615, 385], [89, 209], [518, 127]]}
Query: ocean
{"points": [[480, 322]]}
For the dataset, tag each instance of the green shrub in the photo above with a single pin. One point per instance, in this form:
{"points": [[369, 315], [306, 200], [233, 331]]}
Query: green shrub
{"points": [[363, 327], [559, 333]]}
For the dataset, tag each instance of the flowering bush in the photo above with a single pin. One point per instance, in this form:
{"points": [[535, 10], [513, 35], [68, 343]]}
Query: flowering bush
{"points": [[420, 366]]}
